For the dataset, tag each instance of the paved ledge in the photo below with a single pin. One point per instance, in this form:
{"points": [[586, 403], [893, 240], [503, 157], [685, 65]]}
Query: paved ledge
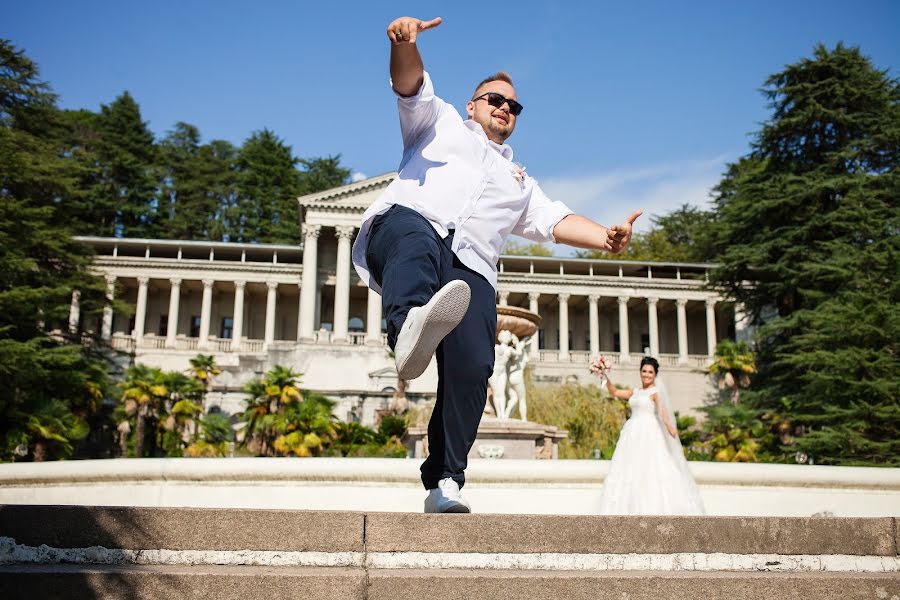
{"points": [[12, 553], [400, 470], [415, 585], [392, 485], [404, 532], [182, 528], [342, 532], [64, 582], [263, 583]]}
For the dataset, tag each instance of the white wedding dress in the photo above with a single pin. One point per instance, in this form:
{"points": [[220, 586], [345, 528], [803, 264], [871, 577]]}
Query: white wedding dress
{"points": [[648, 474]]}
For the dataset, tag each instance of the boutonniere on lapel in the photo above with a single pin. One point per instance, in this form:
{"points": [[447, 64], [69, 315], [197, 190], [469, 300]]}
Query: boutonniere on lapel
{"points": [[518, 173]]}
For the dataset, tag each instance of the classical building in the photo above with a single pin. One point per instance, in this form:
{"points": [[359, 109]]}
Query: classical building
{"points": [[257, 305]]}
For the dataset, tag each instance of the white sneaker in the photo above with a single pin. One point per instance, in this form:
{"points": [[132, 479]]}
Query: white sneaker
{"points": [[446, 498], [426, 326]]}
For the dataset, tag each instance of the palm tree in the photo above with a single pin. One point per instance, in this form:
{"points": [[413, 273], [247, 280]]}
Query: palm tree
{"points": [[265, 416], [203, 368], [181, 411], [53, 427], [143, 397], [734, 363]]}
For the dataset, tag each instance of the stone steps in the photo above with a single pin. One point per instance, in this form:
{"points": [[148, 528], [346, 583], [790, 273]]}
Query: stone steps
{"points": [[126, 552]]}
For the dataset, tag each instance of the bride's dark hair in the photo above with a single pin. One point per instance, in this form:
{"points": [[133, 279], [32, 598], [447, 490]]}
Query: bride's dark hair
{"points": [[649, 360]]}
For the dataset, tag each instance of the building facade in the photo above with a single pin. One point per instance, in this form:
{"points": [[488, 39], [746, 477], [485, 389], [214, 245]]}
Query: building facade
{"points": [[254, 306]]}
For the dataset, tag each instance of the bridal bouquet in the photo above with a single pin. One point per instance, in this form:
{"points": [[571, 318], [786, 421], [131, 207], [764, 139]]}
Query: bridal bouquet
{"points": [[600, 366]]}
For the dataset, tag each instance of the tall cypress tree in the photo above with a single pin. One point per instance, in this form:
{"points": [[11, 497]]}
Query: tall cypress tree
{"points": [[810, 217]]}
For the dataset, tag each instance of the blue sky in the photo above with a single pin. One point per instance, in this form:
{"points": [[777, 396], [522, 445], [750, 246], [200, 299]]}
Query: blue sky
{"points": [[628, 104]]}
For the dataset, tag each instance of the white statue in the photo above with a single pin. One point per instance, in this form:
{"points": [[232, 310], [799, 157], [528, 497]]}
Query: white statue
{"points": [[498, 379], [516, 379], [507, 382]]}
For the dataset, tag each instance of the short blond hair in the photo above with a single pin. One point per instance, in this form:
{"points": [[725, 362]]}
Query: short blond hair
{"points": [[498, 76]]}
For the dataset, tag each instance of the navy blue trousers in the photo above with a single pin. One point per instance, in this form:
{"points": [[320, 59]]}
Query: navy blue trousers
{"points": [[411, 262]]}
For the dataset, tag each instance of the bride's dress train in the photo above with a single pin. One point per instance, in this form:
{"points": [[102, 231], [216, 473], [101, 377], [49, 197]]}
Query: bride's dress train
{"points": [[648, 474]]}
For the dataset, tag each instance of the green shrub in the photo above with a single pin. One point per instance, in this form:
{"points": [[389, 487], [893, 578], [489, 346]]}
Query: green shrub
{"points": [[591, 417]]}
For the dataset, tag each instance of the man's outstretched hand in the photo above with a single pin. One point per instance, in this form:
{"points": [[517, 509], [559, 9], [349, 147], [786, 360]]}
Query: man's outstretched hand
{"points": [[620, 235], [405, 29]]}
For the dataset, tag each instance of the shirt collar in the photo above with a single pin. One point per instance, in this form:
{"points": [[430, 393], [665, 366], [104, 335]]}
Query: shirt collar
{"points": [[503, 149]]}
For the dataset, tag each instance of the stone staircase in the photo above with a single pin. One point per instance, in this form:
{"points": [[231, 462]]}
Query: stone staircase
{"points": [[131, 553]]}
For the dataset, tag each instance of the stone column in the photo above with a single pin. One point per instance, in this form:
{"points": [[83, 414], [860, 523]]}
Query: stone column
{"points": [[710, 327], [271, 298], [373, 319], [594, 320], [563, 326], [237, 329], [342, 283], [504, 298], [309, 281], [205, 314], [654, 326], [172, 324], [74, 312], [742, 329], [681, 303], [533, 307], [140, 311], [624, 346], [106, 327]]}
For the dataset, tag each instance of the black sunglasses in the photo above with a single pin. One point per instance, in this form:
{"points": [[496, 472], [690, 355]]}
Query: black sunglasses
{"points": [[497, 100]]}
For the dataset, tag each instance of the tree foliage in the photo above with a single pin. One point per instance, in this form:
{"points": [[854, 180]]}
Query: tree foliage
{"points": [[810, 217], [52, 383], [683, 235]]}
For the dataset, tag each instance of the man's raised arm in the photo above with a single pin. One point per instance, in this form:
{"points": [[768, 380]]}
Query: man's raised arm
{"points": [[407, 70]]}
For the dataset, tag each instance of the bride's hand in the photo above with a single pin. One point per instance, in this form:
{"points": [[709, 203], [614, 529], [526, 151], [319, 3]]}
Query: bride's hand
{"points": [[673, 432]]}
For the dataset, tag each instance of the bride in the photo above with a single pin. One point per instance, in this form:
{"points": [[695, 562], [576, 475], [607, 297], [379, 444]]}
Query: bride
{"points": [[648, 474]]}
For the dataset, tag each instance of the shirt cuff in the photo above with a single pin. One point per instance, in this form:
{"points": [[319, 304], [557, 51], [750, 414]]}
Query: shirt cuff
{"points": [[425, 91], [559, 212]]}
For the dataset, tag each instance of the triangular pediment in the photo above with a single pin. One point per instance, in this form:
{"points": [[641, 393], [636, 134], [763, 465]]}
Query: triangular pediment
{"points": [[358, 195]]}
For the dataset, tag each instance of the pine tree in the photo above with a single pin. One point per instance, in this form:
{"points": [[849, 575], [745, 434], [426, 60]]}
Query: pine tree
{"points": [[128, 159], [810, 217], [51, 384], [268, 186], [198, 188]]}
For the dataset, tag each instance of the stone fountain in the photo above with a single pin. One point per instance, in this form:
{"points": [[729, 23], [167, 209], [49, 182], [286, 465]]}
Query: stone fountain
{"points": [[500, 435]]}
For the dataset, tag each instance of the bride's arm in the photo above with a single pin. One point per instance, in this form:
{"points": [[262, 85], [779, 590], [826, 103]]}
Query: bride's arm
{"points": [[617, 393], [673, 431]]}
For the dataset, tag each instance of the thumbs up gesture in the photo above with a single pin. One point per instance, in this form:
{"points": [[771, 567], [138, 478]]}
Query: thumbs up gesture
{"points": [[620, 235], [405, 29]]}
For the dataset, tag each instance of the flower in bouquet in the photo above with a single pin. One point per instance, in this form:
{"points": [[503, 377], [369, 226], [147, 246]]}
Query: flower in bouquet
{"points": [[600, 366]]}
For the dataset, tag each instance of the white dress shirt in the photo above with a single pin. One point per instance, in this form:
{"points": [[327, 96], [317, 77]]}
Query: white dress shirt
{"points": [[457, 179]]}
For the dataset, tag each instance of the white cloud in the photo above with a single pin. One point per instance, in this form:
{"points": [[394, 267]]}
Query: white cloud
{"points": [[357, 176], [609, 197]]}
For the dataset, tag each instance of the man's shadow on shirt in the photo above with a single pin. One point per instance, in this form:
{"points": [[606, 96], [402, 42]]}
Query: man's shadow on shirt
{"points": [[425, 163]]}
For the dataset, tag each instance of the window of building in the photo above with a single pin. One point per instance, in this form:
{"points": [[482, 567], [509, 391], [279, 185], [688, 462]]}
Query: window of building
{"points": [[226, 332], [617, 347], [645, 343], [356, 324], [541, 341], [163, 326], [195, 326]]}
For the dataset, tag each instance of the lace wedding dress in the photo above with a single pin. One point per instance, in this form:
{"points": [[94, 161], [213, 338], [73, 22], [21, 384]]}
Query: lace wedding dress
{"points": [[648, 474]]}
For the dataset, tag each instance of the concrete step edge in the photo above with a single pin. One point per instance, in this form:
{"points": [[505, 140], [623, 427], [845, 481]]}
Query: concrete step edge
{"points": [[333, 531], [260, 583], [12, 553]]}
